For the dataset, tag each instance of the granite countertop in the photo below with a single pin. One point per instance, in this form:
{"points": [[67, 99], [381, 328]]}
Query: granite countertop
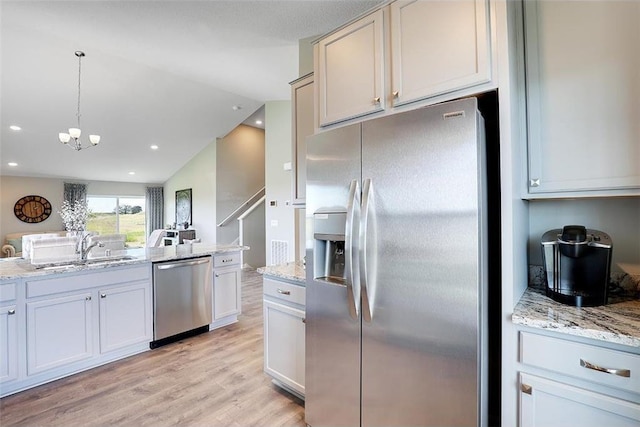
{"points": [[617, 322], [293, 271], [16, 268]]}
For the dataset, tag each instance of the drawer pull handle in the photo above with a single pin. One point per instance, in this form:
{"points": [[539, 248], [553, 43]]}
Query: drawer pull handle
{"points": [[11, 312], [280, 291], [526, 388], [103, 295], [620, 372], [304, 320]]}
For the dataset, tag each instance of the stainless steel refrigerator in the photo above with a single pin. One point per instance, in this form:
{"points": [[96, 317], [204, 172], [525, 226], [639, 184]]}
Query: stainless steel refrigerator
{"points": [[397, 271]]}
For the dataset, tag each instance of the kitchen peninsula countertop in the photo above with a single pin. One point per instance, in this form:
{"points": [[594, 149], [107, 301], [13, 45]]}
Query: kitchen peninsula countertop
{"points": [[293, 271], [617, 322], [15, 268]]}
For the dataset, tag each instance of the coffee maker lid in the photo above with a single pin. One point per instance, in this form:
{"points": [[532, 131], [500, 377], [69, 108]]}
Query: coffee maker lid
{"points": [[595, 238], [574, 233]]}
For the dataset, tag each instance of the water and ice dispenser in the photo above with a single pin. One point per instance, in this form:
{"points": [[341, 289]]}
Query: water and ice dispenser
{"points": [[329, 239]]}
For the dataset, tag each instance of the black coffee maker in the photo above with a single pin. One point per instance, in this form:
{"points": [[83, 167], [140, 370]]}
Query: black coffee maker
{"points": [[577, 264]]}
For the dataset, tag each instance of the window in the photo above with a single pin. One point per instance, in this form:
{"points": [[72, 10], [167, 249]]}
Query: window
{"points": [[118, 215]]}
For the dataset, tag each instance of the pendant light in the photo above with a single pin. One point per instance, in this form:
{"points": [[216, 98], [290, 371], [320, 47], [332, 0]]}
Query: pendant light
{"points": [[74, 133]]}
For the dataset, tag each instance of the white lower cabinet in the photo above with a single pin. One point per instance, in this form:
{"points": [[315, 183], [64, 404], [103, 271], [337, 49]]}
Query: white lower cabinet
{"points": [[284, 334], [8, 343], [69, 322], [566, 383], [125, 316], [548, 403], [59, 331], [226, 293], [227, 289]]}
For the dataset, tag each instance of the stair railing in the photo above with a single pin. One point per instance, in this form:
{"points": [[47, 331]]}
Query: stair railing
{"points": [[241, 213], [251, 201]]}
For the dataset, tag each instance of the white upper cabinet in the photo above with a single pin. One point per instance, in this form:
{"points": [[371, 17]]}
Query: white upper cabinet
{"points": [[349, 69], [438, 47], [302, 126], [583, 97], [406, 52]]}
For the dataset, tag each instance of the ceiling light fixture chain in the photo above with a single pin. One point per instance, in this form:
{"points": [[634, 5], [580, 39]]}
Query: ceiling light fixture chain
{"points": [[79, 54], [74, 133]]}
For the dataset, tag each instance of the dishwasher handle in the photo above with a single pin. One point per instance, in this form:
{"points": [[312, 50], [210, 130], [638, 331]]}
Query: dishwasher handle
{"points": [[183, 264]]}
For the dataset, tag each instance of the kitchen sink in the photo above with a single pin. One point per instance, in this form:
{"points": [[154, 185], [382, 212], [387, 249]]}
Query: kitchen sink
{"points": [[114, 258]]}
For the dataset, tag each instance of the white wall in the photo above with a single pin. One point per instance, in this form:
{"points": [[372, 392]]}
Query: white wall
{"points": [[280, 218], [12, 188], [305, 56], [199, 174], [239, 174], [618, 217]]}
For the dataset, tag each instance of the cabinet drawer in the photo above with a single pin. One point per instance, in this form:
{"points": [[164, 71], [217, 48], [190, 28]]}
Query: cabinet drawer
{"points": [[7, 292], [225, 260], [285, 291], [582, 361]]}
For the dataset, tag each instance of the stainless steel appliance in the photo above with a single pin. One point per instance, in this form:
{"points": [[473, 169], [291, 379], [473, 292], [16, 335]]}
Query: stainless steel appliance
{"points": [[577, 263], [397, 271], [182, 298]]}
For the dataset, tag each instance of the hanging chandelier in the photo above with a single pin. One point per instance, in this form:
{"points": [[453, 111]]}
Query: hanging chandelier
{"points": [[74, 133]]}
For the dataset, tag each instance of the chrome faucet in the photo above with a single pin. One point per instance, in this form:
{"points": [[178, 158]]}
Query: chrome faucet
{"points": [[84, 250]]}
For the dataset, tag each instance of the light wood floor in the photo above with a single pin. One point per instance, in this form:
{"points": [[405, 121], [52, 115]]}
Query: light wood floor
{"points": [[213, 379]]}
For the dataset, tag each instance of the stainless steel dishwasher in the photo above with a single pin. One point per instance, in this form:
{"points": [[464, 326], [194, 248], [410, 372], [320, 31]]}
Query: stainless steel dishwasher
{"points": [[182, 297]]}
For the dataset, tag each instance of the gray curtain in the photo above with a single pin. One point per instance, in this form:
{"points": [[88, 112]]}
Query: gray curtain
{"points": [[155, 208], [75, 191]]}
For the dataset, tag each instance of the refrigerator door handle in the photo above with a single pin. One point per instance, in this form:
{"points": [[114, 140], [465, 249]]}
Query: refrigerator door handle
{"points": [[367, 250], [351, 250]]}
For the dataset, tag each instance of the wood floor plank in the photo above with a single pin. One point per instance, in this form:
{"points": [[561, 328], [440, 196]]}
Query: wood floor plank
{"points": [[213, 379]]}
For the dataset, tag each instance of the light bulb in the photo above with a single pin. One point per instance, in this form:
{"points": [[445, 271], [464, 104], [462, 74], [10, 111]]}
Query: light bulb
{"points": [[64, 137], [75, 133], [94, 139]]}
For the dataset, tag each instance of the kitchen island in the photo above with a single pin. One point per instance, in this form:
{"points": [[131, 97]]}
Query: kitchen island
{"points": [[17, 268], [57, 320]]}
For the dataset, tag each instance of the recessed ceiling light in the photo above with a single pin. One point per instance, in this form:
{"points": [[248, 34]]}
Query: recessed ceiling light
{"points": [[154, 147], [132, 173], [12, 164], [258, 122], [14, 127]]}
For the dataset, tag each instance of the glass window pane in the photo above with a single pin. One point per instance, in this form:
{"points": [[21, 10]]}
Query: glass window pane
{"points": [[102, 218], [132, 221], [129, 219]]}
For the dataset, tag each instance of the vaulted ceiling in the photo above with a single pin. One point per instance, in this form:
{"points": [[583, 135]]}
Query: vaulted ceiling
{"points": [[164, 73]]}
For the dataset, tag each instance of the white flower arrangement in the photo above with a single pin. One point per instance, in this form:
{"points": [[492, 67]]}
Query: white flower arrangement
{"points": [[74, 215]]}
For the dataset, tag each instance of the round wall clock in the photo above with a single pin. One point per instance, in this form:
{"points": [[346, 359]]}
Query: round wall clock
{"points": [[32, 209]]}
